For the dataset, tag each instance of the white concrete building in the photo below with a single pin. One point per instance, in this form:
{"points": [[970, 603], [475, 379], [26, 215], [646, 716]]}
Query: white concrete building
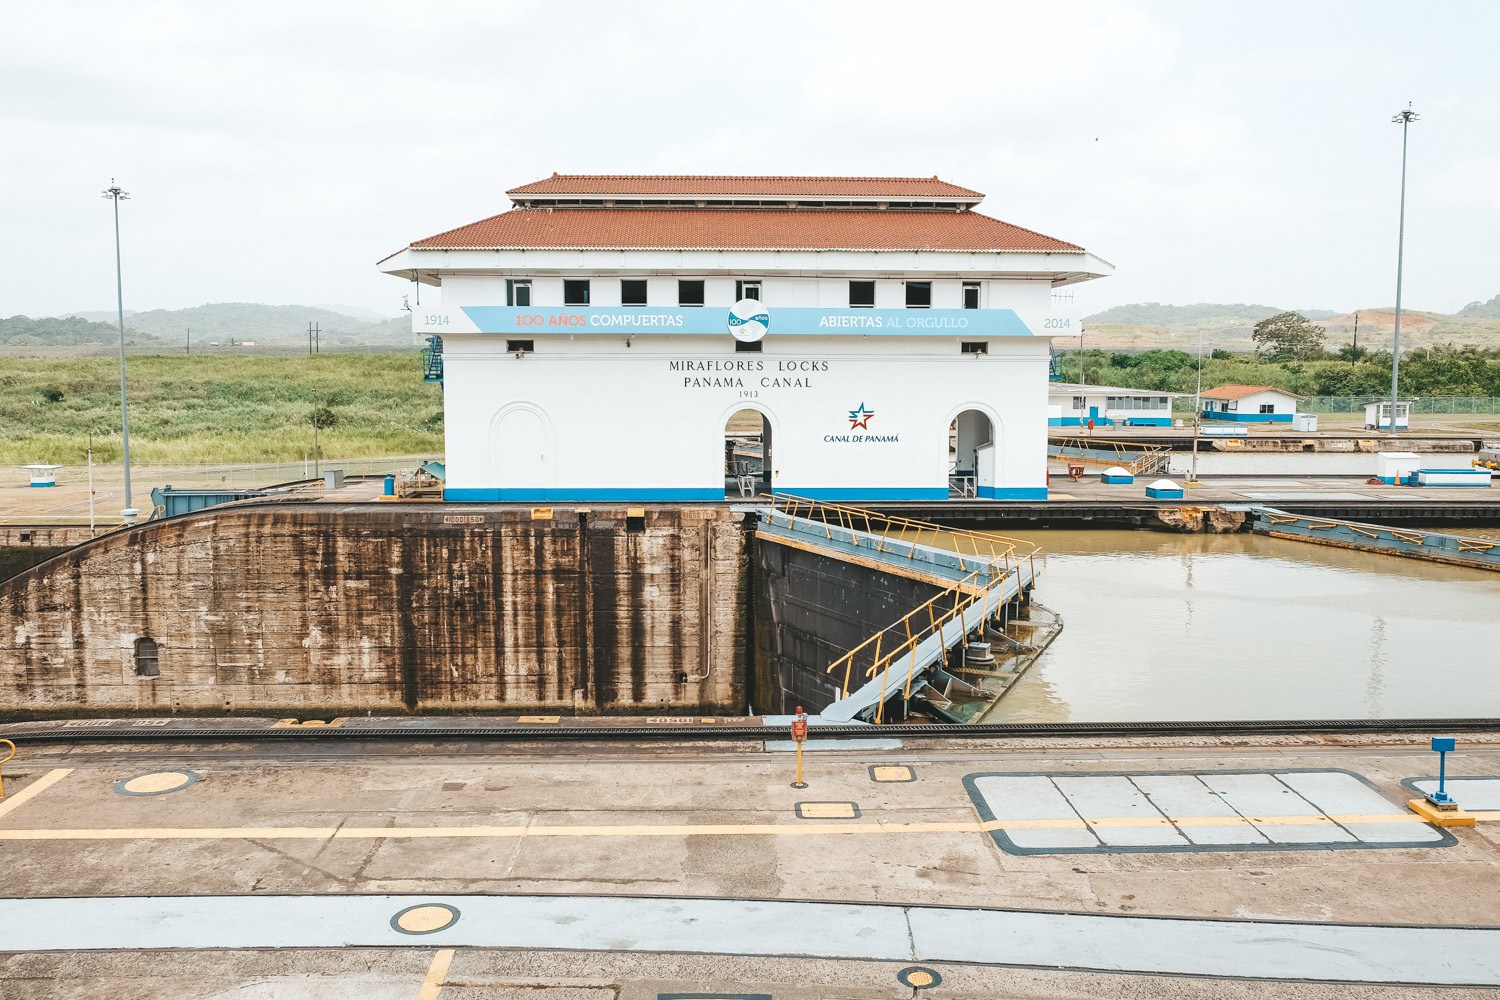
{"points": [[1250, 404], [599, 336], [1070, 404], [1378, 415]]}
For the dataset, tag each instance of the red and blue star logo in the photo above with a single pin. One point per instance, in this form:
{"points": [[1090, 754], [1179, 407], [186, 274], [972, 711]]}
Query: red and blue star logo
{"points": [[860, 419]]}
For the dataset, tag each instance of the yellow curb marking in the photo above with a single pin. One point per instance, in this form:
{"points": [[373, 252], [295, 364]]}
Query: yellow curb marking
{"points": [[541, 719], [715, 830], [31, 791], [437, 974]]}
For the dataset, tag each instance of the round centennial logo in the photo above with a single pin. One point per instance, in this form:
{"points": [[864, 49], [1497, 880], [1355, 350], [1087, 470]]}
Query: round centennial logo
{"points": [[748, 320]]}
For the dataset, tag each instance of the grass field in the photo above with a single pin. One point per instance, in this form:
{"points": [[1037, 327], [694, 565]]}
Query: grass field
{"points": [[192, 410]]}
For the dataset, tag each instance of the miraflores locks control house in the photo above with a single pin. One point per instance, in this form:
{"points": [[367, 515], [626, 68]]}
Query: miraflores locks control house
{"points": [[605, 337]]}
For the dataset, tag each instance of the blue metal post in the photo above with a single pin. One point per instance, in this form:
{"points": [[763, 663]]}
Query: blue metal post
{"points": [[1442, 744]]}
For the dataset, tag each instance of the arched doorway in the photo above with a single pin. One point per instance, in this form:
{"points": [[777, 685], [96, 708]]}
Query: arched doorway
{"points": [[971, 454], [747, 454], [521, 443]]}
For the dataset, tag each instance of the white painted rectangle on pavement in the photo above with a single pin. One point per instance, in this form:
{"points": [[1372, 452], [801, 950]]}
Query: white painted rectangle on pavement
{"points": [[1032, 797], [1481, 794], [1113, 797], [1263, 796], [1102, 812], [1184, 796], [1340, 794]]}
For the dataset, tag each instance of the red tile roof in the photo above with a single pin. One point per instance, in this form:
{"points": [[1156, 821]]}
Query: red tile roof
{"points": [[894, 188], [1241, 391], [741, 229]]}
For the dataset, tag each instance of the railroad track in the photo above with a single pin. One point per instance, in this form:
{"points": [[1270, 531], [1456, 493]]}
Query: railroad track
{"points": [[127, 732]]}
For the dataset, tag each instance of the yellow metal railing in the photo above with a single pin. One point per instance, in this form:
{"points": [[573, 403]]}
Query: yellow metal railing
{"points": [[973, 550], [1375, 531], [3, 761], [988, 561], [1135, 457]]}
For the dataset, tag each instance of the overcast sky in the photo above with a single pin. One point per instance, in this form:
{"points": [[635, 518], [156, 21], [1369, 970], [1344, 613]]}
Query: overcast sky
{"points": [[1213, 152]]}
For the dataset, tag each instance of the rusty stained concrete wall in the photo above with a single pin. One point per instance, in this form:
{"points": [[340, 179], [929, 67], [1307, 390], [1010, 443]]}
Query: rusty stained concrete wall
{"points": [[317, 608]]}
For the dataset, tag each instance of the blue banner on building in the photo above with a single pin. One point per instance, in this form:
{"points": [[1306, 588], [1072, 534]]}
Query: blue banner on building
{"points": [[789, 320]]}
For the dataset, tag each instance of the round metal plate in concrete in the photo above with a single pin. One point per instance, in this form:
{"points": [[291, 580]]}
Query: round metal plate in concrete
{"points": [[425, 918], [156, 783], [919, 977]]}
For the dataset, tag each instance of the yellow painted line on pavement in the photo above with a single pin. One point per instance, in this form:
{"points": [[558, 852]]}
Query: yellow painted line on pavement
{"points": [[437, 975], [674, 830], [11, 803]]}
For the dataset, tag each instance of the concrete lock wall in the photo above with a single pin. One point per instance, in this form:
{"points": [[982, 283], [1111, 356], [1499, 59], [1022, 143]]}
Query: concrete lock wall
{"points": [[810, 608], [291, 608]]}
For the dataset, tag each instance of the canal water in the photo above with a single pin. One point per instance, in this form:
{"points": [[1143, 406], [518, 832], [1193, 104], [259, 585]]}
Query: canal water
{"points": [[1207, 627]]}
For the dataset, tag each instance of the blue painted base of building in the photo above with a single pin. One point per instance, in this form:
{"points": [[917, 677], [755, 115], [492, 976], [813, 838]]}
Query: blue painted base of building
{"points": [[42, 485], [1012, 492], [1155, 494], [696, 495], [1107, 422], [1248, 418], [484, 494]]}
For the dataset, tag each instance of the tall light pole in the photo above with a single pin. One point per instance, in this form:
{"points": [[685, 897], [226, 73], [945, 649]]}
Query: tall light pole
{"points": [[1197, 411], [116, 194], [1404, 119]]}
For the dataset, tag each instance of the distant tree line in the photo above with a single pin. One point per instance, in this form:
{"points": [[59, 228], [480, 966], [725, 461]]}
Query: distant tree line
{"points": [[1292, 355]]}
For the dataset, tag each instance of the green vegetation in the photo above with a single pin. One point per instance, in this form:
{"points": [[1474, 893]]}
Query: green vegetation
{"points": [[218, 409], [1289, 336], [1441, 370]]}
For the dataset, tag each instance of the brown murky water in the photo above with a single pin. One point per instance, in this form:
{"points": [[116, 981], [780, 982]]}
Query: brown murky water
{"points": [[1199, 627]]}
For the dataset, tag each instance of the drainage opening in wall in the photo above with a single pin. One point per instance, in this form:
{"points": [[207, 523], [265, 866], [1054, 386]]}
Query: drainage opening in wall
{"points": [[147, 658]]}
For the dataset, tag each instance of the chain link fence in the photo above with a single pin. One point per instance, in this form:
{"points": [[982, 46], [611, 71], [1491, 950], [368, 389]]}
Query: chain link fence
{"points": [[1419, 404]]}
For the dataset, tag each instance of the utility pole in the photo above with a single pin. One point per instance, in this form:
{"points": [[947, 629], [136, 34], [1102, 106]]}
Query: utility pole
{"points": [[116, 194], [190, 341], [317, 446], [309, 340], [1354, 350], [1404, 119], [1197, 411], [317, 339]]}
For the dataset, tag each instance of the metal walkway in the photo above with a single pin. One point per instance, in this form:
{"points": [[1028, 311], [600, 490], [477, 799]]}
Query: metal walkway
{"points": [[1410, 543], [980, 575]]}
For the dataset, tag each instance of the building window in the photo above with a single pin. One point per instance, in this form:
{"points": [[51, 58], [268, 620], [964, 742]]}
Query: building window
{"points": [[747, 290], [690, 292], [1271, 408], [633, 291], [740, 347], [918, 294], [1079, 402], [518, 292], [975, 347], [861, 295], [576, 292], [520, 346], [971, 295], [147, 658]]}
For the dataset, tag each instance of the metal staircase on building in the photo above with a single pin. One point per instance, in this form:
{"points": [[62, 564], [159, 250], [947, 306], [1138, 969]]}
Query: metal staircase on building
{"points": [[432, 360]]}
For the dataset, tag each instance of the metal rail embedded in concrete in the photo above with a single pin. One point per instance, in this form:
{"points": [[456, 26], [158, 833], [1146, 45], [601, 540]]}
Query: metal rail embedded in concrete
{"points": [[1253, 949]]}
